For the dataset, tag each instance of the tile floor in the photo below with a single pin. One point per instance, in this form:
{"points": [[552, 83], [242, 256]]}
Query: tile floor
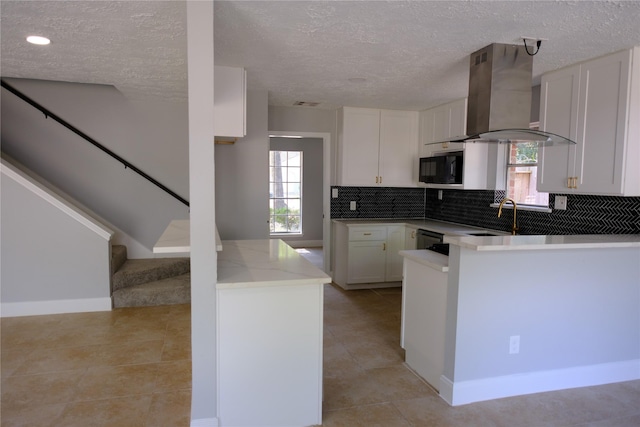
{"points": [[131, 367]]}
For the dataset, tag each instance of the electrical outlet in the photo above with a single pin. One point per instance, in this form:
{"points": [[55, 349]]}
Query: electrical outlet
{"points": [[514, 344], [334, 193], [560, 203], [353, 205]]}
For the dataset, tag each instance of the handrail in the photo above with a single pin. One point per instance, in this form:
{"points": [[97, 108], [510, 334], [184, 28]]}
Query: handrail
{"points": [[47, 113]]}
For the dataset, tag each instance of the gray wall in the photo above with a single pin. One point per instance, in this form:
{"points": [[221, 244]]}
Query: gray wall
{"points": [[242, 177], [565, 305], [312, 168], [304, 119], [48, 257], [150, 134]]}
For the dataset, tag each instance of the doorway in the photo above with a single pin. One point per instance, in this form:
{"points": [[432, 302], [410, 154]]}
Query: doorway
{"points": [[296, 139]]}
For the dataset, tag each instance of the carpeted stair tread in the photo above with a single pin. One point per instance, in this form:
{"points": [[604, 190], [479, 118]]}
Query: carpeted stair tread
{"points": [[118, 257], [168, 291], [138, 271]]}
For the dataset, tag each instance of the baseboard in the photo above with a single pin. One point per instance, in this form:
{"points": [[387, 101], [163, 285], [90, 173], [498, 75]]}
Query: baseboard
{"points": [[204, 422], [463, 392], [35, 308]]}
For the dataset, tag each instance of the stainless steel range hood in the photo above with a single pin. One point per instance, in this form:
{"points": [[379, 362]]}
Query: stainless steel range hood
{"points": [[499, 104]]}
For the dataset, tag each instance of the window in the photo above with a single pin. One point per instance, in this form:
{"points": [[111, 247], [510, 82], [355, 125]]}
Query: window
{"points": [[285, 192], [522, 171]]}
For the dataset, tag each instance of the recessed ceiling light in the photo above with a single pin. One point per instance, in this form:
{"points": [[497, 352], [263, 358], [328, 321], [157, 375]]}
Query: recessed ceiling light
{"points": [[38, 40]]}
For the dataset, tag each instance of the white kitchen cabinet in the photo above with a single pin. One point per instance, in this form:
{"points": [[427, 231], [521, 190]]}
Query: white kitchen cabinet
{"points": [[410, 239], [439, 124], [230, 101], [377, 147], [368, 254], [596, 104]]}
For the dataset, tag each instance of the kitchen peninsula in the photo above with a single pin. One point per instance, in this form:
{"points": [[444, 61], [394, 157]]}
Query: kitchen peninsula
{"points": [[526, 314], [269, 307]]}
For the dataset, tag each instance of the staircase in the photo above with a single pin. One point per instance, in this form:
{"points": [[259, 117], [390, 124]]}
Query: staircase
{"points": [[148, 282]]}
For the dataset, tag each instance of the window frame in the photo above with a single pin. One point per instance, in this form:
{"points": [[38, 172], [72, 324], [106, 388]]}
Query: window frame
{"points": [[272, 198]]}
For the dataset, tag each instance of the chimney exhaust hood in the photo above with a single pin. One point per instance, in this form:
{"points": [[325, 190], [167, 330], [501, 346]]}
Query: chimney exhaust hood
{"points": [[499, 103]]}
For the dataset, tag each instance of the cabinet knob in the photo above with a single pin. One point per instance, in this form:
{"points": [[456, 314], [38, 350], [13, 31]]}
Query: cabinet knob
{"points": [[376, 179], [384, 246], [380, 180]]}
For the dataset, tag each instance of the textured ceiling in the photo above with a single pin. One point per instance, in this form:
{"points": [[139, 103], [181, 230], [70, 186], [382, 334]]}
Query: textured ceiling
{"points": [[413, 55]]}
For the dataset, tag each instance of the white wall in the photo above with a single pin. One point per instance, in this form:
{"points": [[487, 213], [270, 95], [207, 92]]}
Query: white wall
{"points": [[54, 259], [577, 313], [304, 119], [242, 177], [150, 134], [312, 170], [204, 259]]}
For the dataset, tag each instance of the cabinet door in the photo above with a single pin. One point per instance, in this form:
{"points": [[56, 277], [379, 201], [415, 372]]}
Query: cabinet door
{"points": [[359, 146], [366, 261], [426, 132], [558, 114], [458, 118], [410, 241], [601, 124], [395, 243], [230, 95], [441, 123], [398, 166]]}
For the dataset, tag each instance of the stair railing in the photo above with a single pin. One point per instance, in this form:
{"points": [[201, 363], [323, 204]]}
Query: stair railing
{"points": [[47, 113]]}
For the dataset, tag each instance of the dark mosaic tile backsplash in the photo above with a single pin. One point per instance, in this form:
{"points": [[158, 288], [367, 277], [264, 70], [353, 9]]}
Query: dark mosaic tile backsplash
{"points": [[378, 202], [584, 215]]}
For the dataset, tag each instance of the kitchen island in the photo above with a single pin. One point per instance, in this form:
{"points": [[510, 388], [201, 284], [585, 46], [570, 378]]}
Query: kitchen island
{"points": [[526, 314], [270, 331]]}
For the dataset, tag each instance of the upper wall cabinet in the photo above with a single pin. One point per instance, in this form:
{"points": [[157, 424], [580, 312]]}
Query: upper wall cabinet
{"points": [[230, 101], [439, 124], [377, 147], [597, 105]]}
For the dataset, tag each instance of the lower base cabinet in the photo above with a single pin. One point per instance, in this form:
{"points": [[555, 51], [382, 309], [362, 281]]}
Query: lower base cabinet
{"points": [[368, 254]]}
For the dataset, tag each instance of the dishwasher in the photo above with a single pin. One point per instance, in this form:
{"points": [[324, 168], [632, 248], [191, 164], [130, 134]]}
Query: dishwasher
{"points": [[431, 240]]}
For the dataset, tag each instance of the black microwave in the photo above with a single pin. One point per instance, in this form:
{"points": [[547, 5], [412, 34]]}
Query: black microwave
{"points": [[445, 168]]}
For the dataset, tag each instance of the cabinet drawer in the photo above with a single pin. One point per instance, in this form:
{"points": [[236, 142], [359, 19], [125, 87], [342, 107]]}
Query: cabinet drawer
{"points": [[369, 233]]}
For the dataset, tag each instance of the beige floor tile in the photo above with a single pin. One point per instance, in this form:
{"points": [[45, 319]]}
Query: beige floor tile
{"points": [[35, 390], [73, 358], [373, 352], [381, 415], [116, 412], [337, 362], [432, 411], [173, 376], [116, 381], [171, 409], [400, 383], [176, 348], [31, 416], [11, 360], [354, 389]]}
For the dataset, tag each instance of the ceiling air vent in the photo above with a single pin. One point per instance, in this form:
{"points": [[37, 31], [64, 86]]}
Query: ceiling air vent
{"points": [[306, 104]]}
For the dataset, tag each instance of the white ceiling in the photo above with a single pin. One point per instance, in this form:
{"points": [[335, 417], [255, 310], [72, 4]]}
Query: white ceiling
{"points": [[413, 54]]}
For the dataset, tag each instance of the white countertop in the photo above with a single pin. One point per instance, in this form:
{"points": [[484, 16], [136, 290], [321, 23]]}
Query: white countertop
{"points": [[431, 259], [268, 262], [176, 238], [587, 241]]}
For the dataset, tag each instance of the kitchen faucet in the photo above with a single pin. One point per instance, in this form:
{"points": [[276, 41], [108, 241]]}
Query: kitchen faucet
{"points": [[515, 208]]}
